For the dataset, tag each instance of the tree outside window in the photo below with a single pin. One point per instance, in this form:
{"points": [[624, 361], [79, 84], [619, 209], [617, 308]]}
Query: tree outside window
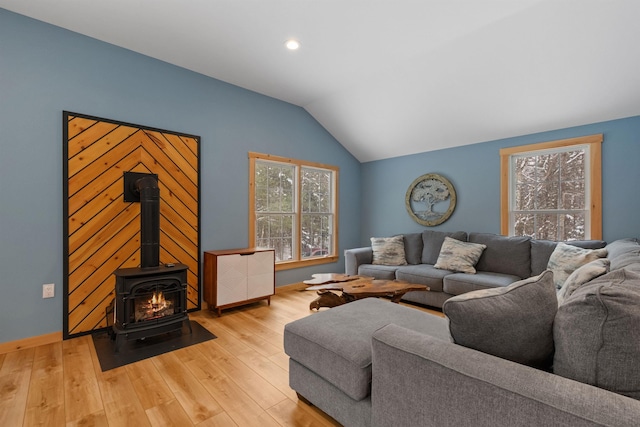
{"points": [[293, 209], [553, 190], [317, 212], [274, 208]]}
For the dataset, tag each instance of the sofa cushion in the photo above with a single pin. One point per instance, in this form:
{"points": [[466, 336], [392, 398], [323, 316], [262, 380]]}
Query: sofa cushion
{"points": [[623, 253], [460, 283], [583, 275], [413, 248], [432, 243], [506, 255], [597, 336], [423, 274], [336, 343], [382, 272], [513, 322], [565, 259], [388, 250], [541, 251], [459, 256]]}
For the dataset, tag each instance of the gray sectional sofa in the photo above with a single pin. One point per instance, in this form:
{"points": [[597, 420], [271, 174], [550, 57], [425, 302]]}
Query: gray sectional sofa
{"points": [[504, 261], [374, 363]]}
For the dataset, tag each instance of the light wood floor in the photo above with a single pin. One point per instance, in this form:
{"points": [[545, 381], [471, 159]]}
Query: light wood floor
{"points": [[238, 379]]}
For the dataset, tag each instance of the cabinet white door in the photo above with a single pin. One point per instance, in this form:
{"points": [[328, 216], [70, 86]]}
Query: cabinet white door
{"points": [[232, 279], [260, 274]]}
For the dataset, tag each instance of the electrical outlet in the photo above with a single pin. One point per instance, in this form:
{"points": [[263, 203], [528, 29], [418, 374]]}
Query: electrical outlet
{"points": [[48, 290]]}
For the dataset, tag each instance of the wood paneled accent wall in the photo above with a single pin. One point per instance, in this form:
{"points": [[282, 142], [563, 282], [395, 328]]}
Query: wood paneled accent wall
{"points": [[102, 231]]}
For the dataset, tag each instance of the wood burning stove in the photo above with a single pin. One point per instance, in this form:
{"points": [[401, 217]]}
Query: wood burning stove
{"points": [[151, 299]]}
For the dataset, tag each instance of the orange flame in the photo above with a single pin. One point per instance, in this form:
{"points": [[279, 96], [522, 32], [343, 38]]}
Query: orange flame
{"points": [[158, 301]]}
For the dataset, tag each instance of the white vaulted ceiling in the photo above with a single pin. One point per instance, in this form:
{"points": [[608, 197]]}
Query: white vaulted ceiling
{"points": [[393, 77]]}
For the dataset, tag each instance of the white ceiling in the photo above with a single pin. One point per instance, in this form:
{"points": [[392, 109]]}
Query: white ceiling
{"points": [[393, 77]]}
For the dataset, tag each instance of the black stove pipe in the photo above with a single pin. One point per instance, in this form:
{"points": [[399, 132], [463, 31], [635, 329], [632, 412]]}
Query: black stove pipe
{"points": [[147, 187]]}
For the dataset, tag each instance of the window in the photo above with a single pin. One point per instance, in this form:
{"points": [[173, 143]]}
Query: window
{"points": [[293, 209], [552, 190]]}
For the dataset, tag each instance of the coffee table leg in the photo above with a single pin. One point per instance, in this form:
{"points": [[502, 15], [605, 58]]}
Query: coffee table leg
{"points": [[326, 299], [397, 297]]}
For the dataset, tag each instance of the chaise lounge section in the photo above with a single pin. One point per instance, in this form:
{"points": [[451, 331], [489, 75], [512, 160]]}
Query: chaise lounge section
{"points": [[330, 354]]}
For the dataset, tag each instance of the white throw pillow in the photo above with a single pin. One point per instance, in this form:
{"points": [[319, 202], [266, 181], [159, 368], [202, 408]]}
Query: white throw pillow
{"points": [[459, 256], [583, 275], [566, 259], [388, 250]]}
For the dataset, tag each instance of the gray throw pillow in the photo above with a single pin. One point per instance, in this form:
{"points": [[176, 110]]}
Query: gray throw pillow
{"points": [[459, 256], [413, 248], [388, 250], [506, 255], [623, 253], [514, 322], [597, 334], [566, 259], [583, 275]]}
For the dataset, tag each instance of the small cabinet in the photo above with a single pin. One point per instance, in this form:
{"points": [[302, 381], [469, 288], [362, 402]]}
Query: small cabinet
{"points": [[238, 276]]}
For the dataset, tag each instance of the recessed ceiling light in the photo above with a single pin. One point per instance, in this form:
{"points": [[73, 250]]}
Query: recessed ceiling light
{"points": [[292, 44]]}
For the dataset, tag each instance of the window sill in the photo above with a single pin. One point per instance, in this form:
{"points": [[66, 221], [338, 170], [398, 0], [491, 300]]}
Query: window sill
{"points": [[289, 265]]}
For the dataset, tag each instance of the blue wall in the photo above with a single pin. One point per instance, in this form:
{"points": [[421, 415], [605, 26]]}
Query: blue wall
{"points": [[45, 70], [474, 171]]}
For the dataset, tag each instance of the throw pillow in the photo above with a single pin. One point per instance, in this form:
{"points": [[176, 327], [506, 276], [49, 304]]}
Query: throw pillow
{"points": [[514, 322], [565, 259], [505, 255], [623, 253], [432, 241], [581, 276], [541, 251], [596, 334], [459, 256], [413, 248], [388, 250]]}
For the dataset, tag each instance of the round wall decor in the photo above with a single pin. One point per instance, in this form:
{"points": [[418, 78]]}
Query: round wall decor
{"points": [[430, 199]]}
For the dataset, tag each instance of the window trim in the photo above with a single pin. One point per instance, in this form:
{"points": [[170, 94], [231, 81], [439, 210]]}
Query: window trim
{"points": [[595, 165], [298, 262]]}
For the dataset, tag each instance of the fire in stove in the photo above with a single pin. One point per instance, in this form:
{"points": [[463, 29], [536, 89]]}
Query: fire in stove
{"points": [[154, 308]]}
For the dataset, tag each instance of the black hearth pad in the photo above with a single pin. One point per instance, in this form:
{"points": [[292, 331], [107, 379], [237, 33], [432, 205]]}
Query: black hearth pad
{"points": [[136, 350]]}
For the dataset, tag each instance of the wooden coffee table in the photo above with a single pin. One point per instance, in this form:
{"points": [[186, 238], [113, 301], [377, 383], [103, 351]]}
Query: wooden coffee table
{"points": [[324, 278], [361, 287]]}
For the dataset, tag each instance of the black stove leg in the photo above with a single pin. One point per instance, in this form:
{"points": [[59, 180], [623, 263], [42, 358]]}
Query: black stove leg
{"points": [[119, 338]]}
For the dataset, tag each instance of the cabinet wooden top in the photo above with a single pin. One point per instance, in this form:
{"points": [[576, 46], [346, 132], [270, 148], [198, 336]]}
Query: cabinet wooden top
{"points": [[241, 251]]}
